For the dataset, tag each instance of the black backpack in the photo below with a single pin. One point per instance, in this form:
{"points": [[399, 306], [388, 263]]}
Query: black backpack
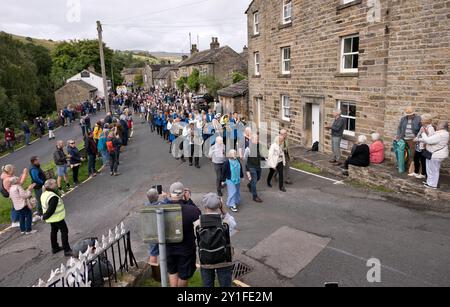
{"points": [[3, 190], [213, 240], [315, 147]]}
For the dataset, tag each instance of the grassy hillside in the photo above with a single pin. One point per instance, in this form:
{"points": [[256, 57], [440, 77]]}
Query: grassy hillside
{"points": [[153, 58], [49, 44]]}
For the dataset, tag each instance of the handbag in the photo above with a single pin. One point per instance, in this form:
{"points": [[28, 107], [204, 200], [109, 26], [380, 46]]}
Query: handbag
{"points": [[428, 155]]}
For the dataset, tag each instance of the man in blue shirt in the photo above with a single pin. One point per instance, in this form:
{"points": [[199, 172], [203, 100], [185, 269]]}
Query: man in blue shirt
{"points": [[26, 132], [37, 177]]}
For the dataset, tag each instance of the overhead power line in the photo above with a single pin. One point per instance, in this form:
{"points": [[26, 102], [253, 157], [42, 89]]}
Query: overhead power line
{"points": [[149, 13]]}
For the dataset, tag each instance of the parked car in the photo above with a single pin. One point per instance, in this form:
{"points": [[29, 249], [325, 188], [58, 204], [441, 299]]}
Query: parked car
{"points": [[203, 102]]}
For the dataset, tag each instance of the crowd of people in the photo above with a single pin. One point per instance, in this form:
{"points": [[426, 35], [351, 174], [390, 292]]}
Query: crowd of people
{"points": [[104, 141], [420, 147], [190, 132]]}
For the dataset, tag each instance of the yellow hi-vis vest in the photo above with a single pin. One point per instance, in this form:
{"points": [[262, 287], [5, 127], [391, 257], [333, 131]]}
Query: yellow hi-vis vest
{"points": [[60, 212]]}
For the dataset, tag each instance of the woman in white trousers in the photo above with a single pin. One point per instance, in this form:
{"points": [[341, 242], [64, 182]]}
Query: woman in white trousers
{"points": [[437, 144]]}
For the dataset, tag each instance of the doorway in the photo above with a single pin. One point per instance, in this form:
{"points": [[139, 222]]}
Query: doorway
{"points": [[313, 121]]}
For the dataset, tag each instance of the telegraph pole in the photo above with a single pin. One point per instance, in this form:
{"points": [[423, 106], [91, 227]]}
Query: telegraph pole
{"points": [[102, 62]]}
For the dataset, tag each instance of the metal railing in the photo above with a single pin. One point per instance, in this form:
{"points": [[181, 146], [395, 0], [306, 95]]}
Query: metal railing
{"points": [[102, 263]]}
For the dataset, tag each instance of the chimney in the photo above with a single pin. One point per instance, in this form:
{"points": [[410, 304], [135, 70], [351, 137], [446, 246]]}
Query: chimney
{"points": [[91, 68], [245, 51], [184, 57], [215, 43], [194, 49]]}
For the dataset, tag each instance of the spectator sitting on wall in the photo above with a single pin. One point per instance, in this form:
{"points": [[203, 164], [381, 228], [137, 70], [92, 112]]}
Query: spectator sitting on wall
{"points": [[360, 155], [376, 149]]}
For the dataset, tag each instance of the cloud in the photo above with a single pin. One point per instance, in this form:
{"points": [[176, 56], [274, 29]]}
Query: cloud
{"points": [[152, 25]]}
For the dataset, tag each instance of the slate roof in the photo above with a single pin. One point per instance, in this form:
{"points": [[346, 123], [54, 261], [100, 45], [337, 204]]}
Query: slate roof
{"points": [[81, 84], [235, 90], [93, 72], [209, 56], [163, 73]]}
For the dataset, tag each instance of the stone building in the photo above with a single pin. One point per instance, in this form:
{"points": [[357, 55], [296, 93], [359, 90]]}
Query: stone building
{"points": [[74, 93], [234, 98], [218, 62], [129, 75], [151, 72], [163, 78], [369, 58], [92, 78]]}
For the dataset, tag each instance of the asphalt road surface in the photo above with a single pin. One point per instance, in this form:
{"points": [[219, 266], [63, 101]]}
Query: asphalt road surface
{"points": [[317, 232], [44, 148]]}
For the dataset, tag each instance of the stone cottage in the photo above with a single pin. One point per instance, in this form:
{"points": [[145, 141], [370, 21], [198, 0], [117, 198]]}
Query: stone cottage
{"points": [[218, 62], [150, 73], [129, 75], [234, 98], [74, 93], [369, 58], [92, 78]]}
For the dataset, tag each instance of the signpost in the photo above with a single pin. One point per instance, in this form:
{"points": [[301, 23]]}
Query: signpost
{"points": [[161, 225]]}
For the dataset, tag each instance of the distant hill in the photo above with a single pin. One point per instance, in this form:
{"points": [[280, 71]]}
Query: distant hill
{"points": [[47, 43], [162, 54], [152, 57], [170, 56]]}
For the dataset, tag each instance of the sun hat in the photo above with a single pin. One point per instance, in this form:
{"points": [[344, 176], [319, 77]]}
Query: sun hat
{"points": [[409, 111]]}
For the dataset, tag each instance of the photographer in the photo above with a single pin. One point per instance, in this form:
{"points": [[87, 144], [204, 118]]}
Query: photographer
{"points": [[181, 257], [213, 231]]}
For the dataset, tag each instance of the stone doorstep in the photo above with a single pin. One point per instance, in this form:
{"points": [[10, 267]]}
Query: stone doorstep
{"points": [[380, 175]]}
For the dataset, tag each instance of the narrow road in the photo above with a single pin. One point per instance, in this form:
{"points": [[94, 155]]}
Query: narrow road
{"points": [[352, 225], [44, 148]]}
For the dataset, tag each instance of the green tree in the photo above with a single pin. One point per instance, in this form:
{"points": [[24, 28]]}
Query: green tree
{"points": [[211, 84], [238, 77], [69, 58], [181, 83], [193, 81], [42, 58], [139, 81], [19, 76], [9, 111]]}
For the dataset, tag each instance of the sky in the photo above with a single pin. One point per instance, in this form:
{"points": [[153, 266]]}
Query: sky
{"points": [[152, 25]]}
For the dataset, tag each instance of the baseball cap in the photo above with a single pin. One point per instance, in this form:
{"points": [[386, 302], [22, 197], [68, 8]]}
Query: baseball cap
{"points": [[177, 189], [211, 201]]}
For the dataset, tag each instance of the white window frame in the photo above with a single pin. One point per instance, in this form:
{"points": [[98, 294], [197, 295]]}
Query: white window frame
{"points": [[284, 99], [256, 23], [347, 117], [285, 60], [287, 18], [343, 55], [257, 63]]}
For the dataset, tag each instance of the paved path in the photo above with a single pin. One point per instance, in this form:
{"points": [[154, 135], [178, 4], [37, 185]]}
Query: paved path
{"points": [[332, 229]]}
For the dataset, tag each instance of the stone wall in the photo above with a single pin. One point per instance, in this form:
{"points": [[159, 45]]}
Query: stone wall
{"points": [[376, 175], [404, 59], [71, 94], [236, 104]]}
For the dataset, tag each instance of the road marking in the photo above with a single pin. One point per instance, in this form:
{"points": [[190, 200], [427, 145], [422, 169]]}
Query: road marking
{"points": [[315, 175], [5, 230], [89, 178], [240, 284], [26, 145]]}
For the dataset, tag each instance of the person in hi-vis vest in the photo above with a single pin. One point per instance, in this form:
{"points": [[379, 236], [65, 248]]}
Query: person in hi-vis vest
{"points": [[54, 214]]}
